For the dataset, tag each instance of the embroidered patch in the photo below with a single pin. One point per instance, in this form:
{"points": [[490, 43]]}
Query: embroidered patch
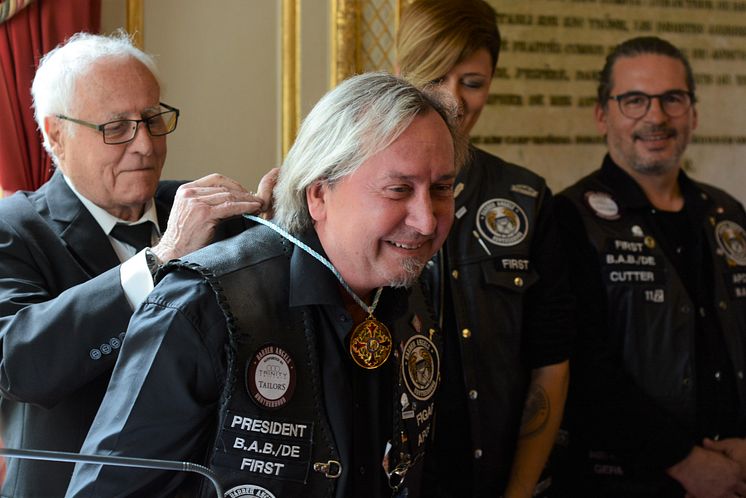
{"points": [[732, 240], [270, 377], [603, 205], [420, 367], [502, 222], [524, 189], [248, 490]]}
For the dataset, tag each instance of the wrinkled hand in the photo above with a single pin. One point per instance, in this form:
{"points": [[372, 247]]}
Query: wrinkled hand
{"points": [[199, 206], [733, 448], [708, 474]]}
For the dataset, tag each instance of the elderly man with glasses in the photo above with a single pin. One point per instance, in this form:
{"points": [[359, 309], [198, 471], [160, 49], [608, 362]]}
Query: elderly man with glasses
{"points": [[657, 402], [77, 256]]}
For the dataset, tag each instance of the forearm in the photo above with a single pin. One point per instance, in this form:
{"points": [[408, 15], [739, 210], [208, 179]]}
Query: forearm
{"points": [[542, 414]]}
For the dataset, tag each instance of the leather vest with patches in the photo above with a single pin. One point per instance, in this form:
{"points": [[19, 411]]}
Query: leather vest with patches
{"points": [[273, 437], [651, 315], [490, 271]]}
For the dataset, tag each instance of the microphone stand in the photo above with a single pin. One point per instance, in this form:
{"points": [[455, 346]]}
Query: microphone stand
{"points": [[143, 463]]}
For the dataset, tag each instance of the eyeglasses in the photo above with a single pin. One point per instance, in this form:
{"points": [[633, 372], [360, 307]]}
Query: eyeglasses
{"points": [[635, 105], [122, 131]]}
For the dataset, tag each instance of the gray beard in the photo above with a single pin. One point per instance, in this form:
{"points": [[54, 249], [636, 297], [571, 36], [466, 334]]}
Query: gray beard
{"points": [[412, 268]]}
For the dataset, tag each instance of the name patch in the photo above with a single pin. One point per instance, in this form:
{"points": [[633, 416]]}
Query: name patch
{"points": [[279, 449]]}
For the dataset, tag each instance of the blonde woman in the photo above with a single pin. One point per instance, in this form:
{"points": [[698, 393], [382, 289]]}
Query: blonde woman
{"points": [[499, 283]]}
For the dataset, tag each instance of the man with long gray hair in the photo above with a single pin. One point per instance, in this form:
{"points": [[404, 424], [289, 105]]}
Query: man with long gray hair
{"points": [[296, 359]]}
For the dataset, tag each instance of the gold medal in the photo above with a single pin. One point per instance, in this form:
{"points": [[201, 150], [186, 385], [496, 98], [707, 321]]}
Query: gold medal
{"points": [[370, 343]]}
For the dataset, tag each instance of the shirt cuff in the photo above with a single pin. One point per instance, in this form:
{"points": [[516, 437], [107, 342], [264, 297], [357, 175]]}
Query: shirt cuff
{"points": [[137, 282]]}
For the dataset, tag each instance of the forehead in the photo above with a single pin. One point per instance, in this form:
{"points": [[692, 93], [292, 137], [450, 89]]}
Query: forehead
{"points": [[649, 73], [116, 85], [424, 149]]}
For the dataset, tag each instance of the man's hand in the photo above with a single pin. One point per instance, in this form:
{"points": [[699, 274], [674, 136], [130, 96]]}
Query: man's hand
{"points": [[708, 474], [199, 206], [733, 448]]}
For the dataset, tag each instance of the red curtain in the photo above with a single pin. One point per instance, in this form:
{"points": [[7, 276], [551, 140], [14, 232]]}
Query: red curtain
{"points": [[24, 38]]}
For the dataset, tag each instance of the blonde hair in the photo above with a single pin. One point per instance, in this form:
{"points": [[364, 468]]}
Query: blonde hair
{"points": [[435, 35]]}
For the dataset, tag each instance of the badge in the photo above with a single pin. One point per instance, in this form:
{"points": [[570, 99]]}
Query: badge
{"points": [[420, 367], [732, 240], [248, 490], [502, 222], [270, 377], [603, 205], [370, 344], [637, 231]]}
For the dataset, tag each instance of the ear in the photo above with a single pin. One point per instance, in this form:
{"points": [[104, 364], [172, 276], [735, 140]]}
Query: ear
{"points": [[599, 113], [56, 136], [316, 200]]}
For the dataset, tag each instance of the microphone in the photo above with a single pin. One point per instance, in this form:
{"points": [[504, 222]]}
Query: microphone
{"points": [[143, 463]]}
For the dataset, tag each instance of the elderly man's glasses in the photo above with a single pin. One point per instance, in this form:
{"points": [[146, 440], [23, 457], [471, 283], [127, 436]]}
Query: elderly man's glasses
{"points": [[635, 105], [122, 131]]}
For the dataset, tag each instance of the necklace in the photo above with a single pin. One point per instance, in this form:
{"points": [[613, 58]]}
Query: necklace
{"points": [[370, 342]]}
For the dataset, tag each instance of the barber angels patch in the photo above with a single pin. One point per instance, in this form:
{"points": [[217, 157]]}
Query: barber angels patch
{"points": [[502, 222], [248, 490], [732, 240], [270, 377], [420, 367]]}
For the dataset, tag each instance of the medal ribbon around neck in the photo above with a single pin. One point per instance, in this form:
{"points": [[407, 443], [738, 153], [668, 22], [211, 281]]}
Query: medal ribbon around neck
{"points": [[370, 342]]}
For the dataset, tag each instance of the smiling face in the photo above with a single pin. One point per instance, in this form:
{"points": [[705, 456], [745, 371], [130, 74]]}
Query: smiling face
{"points": [[654, 143], [469, 83], [381, 224], [118, 178]]}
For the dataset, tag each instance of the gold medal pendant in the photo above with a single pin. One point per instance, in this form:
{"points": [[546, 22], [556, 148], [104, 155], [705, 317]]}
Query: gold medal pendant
{"points": [[370, 343]]}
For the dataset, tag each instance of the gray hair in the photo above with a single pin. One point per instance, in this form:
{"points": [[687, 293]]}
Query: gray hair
{"points": [[60, 69], [356, 120]]}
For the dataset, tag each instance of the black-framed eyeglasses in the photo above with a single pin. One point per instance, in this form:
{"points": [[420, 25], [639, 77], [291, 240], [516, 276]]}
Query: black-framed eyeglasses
{"points": [[635, 105], [122, 131]]}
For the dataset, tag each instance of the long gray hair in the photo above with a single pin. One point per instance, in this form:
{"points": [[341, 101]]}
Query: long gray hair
{"points": [[359, 118]]}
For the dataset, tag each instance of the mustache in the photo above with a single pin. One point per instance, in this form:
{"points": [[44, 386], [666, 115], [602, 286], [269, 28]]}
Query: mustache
{"points": [[642, 133]]}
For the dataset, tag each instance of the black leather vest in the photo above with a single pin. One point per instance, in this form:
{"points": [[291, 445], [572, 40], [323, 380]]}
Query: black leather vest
{"points": [[273, 437], [651, 315], [489, 270]]}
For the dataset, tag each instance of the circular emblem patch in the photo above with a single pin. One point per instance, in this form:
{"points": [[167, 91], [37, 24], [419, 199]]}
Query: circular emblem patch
{"points": [[270, 377], [732, 240], [420, 367], [603, 205], [502, 222], [248, 490]]}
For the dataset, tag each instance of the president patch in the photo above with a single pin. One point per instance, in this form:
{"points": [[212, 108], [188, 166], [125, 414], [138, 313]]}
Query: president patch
{"points": [[732, 240], [502, 222], [420, 367], [270, 377]]}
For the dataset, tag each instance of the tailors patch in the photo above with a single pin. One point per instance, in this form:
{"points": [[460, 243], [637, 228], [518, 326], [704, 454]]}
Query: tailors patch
{"points": [[248, 490], [603, 205], [502, 222], [270, 377], [732, 240], [420, 367]]}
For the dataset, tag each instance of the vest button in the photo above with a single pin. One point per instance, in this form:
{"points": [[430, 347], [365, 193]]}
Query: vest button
{"points": [[740, 375], [685, 381], [466, 333], [518, 281], [473, 394], [454, 274], [717, 376], [478, 453], [685, 309], [723, 305]]}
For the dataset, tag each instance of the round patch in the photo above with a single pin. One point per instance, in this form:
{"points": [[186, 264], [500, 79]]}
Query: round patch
{"points": [[502, 222], [732, 240], [270, 377], [248, 490], [603, 205], [420, 367]]}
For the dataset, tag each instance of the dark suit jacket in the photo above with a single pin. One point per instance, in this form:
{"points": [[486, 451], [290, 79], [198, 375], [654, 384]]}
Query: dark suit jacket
{"points": [[63, 314]]}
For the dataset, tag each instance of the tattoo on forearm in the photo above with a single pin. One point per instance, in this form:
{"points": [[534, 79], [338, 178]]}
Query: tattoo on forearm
{"points": [[535, 412]]}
